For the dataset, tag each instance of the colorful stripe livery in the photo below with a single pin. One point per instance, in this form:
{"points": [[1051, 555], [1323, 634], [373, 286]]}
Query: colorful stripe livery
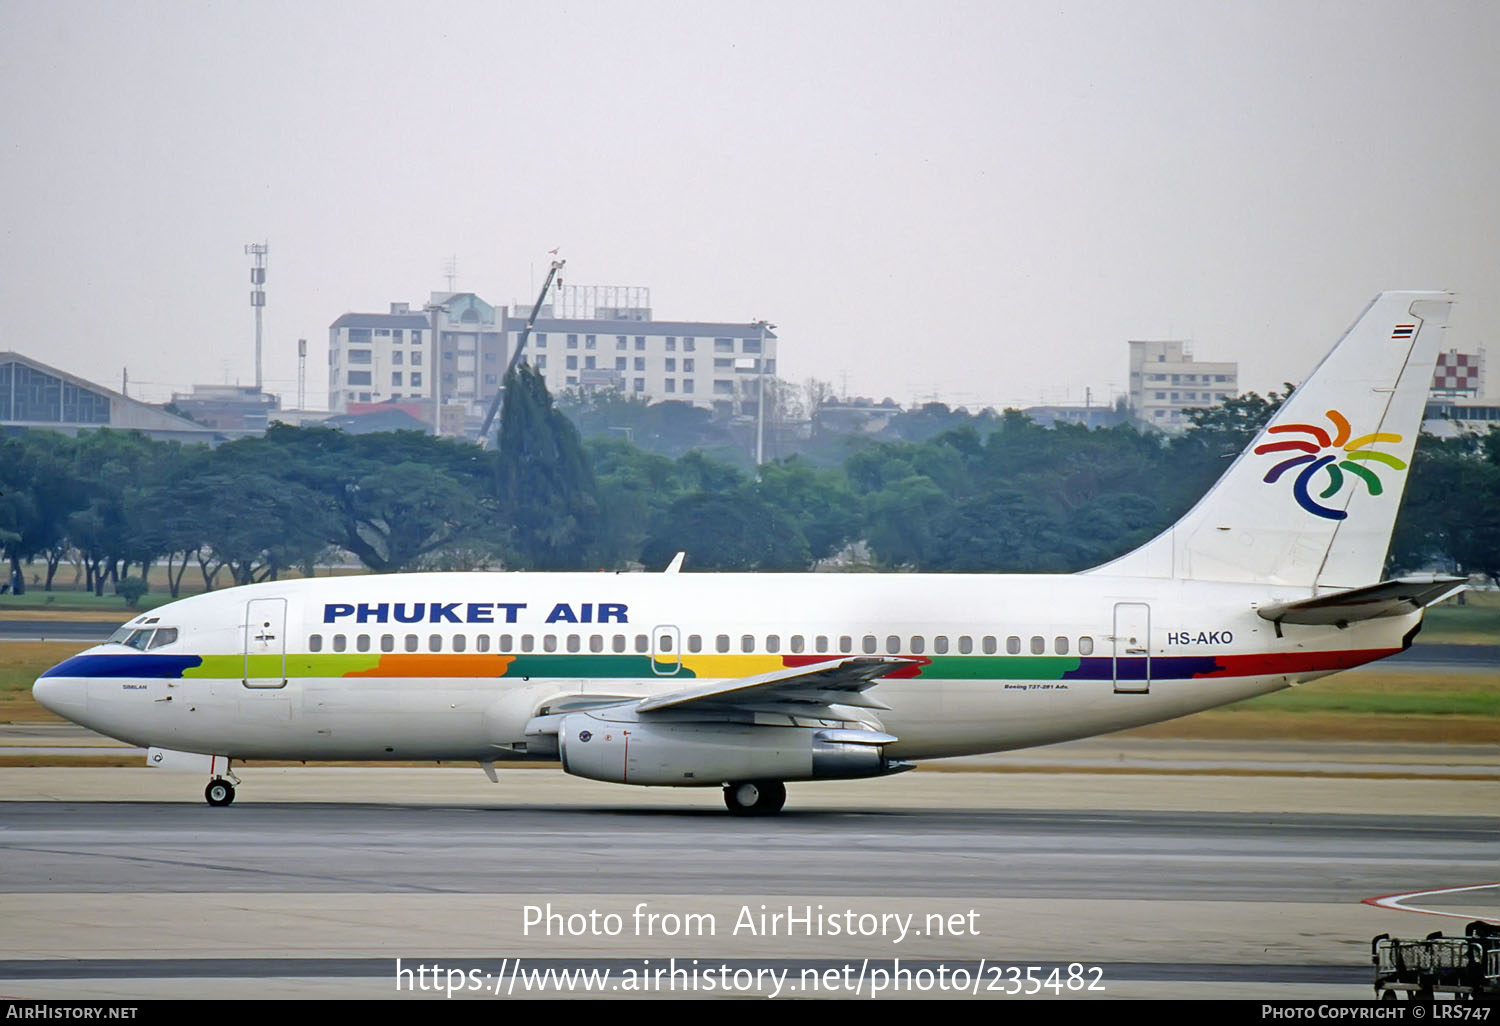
{"points": [[419, 666]]}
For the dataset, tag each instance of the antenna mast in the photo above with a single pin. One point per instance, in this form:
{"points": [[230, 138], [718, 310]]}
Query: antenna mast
{"points": [[258, 250], [302, 374]]}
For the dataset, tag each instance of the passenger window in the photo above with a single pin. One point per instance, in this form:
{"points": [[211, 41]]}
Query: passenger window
{"points": [[505, 643], [868, 643], [411, 642], [1085, 646], [460, 642], [721, 643], [990, 647], [773, 643], [315, 643], [747, 643], [1013, 645], [549, 643], [434, 642], [940, 644], [821, 644], [617, 643], [164, 636], [917, 644], [528, 643], [664, 643], [575, 643], [1060, 646], [596, 643], [387, 643], [893, 644], [846, 644], [362, 643], [482, 643], [695, 643], [796, 644], [340, 642], [642, 643], [965, 644], [1038, 645]]}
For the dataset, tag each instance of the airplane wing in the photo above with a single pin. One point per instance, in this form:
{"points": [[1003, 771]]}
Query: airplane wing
{"points": [[837, 681], [1388, 598]]}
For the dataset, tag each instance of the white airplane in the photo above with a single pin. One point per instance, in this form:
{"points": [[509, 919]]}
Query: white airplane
{"points": [[748, 681]]}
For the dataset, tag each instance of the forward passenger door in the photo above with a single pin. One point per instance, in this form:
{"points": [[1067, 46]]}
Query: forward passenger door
{"points": [[265, 643]]}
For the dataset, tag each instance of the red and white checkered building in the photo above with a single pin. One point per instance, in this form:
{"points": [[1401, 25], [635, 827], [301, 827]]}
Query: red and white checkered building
{"points": [[1459, 373], [1458, 402]]}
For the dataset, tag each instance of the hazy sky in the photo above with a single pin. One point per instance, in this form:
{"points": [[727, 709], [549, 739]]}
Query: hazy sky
{"points": [[977, 200]]}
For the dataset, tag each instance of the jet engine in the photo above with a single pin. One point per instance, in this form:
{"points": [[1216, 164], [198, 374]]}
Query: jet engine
{"points": [[706, 754]]}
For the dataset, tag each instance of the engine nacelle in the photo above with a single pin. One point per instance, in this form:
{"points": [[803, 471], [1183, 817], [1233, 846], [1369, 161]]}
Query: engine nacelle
{"points": [[679, 754]]}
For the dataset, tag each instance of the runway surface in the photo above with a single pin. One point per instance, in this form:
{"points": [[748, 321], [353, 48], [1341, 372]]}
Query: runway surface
{"points": [[1111, 753], [317, 880]]}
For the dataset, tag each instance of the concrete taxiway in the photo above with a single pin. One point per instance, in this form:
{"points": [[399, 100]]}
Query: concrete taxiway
{"points": [[1109, 754], [120, 882]]}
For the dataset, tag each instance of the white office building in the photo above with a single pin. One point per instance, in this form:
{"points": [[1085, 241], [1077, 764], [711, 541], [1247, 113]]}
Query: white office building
{"points": [[715, 365], [1165, 381], [376, 358], [373, 358]]}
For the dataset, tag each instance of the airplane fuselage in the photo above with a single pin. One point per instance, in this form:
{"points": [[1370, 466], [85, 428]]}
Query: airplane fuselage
{"points": [[455, 666]]}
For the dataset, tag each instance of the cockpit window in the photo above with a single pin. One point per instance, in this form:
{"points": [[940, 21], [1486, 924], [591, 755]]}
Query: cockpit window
{"points": [[119, 636], [138, 640], [164, 636]]}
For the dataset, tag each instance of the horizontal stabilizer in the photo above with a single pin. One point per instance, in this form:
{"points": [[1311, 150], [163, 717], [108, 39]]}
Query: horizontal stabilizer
{"points": [[1388, 598], [815, 684]]}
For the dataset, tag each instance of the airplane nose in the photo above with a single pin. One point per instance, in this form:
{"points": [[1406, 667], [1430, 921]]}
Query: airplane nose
{"points": [[62, 695]]}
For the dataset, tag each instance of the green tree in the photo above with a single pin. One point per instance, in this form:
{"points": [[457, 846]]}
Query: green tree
{"points": [[634, 488], [393, 499], [39, 489], [732, 531], [166, 513], [110, 463], [1450, 513], [817, 501], [548, 491], [901, 521], [1002, 530]]}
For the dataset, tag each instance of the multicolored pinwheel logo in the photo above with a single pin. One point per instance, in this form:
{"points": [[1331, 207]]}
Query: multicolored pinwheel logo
{"points": [[1312, 462]]}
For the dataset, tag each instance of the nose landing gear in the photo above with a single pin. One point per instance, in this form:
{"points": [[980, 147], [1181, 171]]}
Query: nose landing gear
{"points": [[220, 790]]}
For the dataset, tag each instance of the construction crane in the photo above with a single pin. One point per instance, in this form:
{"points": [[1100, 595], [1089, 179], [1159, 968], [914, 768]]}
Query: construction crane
{"points": [[515, 357]]}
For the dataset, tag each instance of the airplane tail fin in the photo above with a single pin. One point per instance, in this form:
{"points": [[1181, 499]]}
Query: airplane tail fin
{"points": [[1312, 501]]}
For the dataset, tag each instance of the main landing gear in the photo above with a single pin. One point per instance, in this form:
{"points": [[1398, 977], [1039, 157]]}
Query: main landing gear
{"points": [[755, 797]]}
